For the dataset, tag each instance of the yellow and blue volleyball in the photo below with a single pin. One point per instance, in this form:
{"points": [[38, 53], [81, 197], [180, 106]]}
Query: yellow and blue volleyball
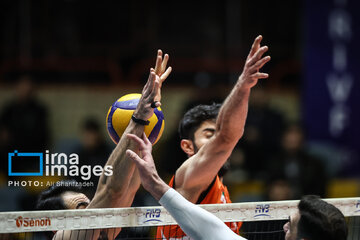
{"points": [[119, 116]]}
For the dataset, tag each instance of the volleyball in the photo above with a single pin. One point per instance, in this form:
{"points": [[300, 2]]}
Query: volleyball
{"points": [[119, 115]]}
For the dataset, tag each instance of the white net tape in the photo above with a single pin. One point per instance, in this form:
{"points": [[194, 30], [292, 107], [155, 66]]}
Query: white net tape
{"points": [[31, 221]]}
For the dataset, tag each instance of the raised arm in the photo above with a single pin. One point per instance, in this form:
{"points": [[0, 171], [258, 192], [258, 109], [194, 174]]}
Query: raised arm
{"points": [[113, 191], [196, 222], [162, 72], [195, 175], [119, 189]]}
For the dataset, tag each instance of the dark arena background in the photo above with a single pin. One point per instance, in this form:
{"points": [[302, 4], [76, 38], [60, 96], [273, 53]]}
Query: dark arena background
{"points": [[63, 63]]}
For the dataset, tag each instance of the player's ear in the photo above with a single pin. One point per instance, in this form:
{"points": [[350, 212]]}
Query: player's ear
{"points": [[187, 146]]}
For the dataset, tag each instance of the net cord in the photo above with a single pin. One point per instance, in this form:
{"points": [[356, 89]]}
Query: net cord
{"points": [[32, 221]]}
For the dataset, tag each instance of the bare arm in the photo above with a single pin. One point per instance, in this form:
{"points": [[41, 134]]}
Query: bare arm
{"points": [[146, 166], [162, 72], [195, 175], [119, 189], [113, 191]]}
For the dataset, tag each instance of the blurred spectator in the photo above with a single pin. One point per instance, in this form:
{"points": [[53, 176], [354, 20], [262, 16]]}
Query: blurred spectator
{"points": [[262, 133], [24, 120], [23, 127], [92, 151], [23, 124], [304, 173], [4, 147], [279, 189]]}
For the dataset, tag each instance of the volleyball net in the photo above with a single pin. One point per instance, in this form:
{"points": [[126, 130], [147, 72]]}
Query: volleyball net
{"points": [[261, 220]]}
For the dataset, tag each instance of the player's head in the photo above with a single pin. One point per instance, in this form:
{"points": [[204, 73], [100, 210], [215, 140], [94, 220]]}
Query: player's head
{"points": [[64, 194], [316, 219], [91, 133], [24, 88], [197, 127]]}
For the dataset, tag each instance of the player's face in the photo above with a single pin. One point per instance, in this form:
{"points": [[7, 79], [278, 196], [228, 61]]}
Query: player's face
{"points": [[203, 134], [75, 200], [290, 228]]}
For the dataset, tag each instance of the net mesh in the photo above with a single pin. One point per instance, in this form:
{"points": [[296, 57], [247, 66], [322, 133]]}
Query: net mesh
{"points": [[261, 221]]}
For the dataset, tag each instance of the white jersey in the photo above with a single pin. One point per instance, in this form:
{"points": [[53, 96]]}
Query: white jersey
{"points": [[196, 222]]}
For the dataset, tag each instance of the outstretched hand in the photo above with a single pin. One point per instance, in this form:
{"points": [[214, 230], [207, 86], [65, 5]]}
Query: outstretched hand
{"points": [[151, 93], [145, 165], [254, 61], [161, 71]]}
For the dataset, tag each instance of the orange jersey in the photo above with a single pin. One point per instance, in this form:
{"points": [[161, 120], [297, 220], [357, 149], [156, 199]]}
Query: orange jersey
{"points": [[216, 193]]}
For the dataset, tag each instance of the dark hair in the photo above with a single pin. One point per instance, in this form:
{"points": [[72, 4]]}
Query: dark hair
{"points": [[320, 220], [194, 117], [90, 124], [50, 199]]}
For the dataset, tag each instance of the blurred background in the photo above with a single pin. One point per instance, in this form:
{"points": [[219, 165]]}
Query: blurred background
{"points": [[63, 63]]}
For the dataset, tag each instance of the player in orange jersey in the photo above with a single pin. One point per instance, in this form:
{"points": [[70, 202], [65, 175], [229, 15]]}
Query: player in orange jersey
{"points": [[197, 223], [208, 135]]}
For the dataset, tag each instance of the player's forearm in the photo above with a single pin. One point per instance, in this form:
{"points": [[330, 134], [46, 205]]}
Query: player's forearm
{"points": [[155, 186], [112, 189], [133, 187], [232, 116], [231, 120], [123, 167]]}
